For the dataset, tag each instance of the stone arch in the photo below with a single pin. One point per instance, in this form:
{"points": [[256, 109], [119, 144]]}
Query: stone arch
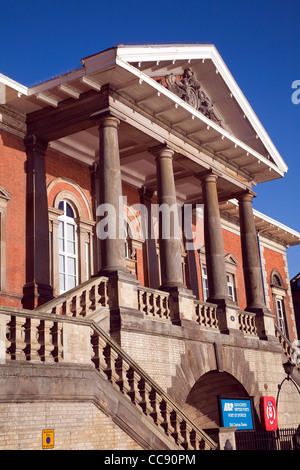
{"points": [[276, 279], [202, 401], [64, 188], [211, 369]]}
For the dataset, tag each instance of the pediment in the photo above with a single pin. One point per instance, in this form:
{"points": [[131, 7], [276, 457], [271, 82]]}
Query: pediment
{"points": [[221, 100], [211, 115], [229, 258], [4, 194], [189, 89]]}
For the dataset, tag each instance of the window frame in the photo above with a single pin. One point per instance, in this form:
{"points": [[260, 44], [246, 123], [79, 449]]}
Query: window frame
{"points": [[66, 221], [85, 235], [279, 295]]}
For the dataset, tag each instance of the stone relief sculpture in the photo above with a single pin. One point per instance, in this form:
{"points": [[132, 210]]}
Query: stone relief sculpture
{"points": [[189, 89]]}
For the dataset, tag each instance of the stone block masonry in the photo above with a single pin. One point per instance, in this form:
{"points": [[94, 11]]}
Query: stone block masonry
{"points": [[77, 426]]}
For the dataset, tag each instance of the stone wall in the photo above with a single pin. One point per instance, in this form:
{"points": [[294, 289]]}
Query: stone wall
{"points": [[178, 358], [76, 426]]}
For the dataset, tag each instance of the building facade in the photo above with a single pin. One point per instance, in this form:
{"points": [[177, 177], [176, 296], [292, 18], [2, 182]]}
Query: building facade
{"points": [[138, 284]]}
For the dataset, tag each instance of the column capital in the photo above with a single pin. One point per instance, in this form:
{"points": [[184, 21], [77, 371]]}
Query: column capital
{"points": [[161, 150], [208, 175], [105, 118], [32, 142], [145, 193], [247, 195]]}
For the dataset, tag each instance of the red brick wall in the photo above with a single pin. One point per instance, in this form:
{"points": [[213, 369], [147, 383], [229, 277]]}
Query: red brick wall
{"points": [[58, 165], [232, 244], [13, 179], [275, 260]]}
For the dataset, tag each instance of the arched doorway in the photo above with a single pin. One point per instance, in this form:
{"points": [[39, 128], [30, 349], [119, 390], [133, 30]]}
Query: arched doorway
{"points": [[202, 401]]}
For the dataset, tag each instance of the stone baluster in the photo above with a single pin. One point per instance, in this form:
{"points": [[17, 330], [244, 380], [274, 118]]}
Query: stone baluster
{"points": [[145, 390], [98, 346], [166, 410], [45, 339], [122, 367], [111, 357], [155, 400], [16, 338], [134, 392]]}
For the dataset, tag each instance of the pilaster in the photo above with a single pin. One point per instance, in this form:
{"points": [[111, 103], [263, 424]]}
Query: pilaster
{"points": [[37, 289]]}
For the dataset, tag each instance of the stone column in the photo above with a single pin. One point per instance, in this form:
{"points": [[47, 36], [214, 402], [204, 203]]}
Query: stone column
{"points": [[37, 289], [110, 209], [150, 256], [169, 233], [214, 248], [252, 267], [250, 253]]}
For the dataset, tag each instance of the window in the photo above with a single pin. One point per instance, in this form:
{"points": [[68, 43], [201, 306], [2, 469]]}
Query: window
{"points": [[280, 315], [279, 294], [4, 198], [230, 286], [130, 250], [67, 245], [204, 283]]}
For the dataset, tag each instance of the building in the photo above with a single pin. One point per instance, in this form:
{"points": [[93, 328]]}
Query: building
{"points": [[138, 285], [295, 288]]}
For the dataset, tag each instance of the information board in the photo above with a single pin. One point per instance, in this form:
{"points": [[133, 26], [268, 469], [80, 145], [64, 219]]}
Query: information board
{"points": [[48, 438], [236, 413]]}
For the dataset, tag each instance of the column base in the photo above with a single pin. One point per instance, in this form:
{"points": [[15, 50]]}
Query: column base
{"points": [[264, 320], [181, 303], [117, 273], [36, 294], [228, 316]]}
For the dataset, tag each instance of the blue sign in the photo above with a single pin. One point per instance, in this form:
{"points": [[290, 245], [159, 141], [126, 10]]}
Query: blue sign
{"points": [[236, 413]]}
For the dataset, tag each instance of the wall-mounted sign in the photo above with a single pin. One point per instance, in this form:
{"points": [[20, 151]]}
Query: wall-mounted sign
{"points": [[48, 438], [236, 413], [268, 413]]}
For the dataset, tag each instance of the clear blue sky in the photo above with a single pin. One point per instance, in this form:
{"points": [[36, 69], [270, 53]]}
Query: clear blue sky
{"points": [[258, 40]]}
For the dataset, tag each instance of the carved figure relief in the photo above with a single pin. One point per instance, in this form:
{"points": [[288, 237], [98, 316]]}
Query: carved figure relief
{"points": [[189, 89]]}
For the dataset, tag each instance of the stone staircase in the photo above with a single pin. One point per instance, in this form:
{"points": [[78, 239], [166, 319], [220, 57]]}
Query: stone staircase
{"points": [[50, 334]]}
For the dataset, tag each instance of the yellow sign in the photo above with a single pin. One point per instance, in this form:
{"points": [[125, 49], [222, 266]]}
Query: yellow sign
{"points": [[48, 438]]}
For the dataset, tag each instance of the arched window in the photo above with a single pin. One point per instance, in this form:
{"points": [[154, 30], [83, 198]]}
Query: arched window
{"points": [[68, 247], [279, 294]]}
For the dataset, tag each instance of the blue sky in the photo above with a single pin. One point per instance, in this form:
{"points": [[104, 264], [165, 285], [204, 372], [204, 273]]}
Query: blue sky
{"points": [[258, 40]]}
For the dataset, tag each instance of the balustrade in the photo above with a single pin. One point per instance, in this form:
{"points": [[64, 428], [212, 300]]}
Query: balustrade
{"points": [[154, 303], [152, 401], [247, 323], [206, 314], [33, 339], [291, 351], [81, 300]]}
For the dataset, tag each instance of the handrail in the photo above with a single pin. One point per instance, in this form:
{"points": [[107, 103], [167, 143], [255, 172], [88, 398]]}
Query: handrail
{"points": [[38, 336], [289, 350], [133, 381], [80, 300]]}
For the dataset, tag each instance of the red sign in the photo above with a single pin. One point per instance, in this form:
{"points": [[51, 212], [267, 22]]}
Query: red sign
{"points": [[268, 413]]}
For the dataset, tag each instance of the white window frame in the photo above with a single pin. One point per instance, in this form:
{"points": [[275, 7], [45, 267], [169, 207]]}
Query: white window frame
{"points": [[63, 253], [279, 300], [204, 282], [231, 286]]}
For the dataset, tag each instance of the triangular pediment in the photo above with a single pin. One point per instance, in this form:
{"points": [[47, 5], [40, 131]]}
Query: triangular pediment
{"points": [[215, 94], [4, 194], [229, 258], [212, 116]]}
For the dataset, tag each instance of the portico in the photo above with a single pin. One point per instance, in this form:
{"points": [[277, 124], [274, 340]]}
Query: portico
{"points": [[159, 125]]}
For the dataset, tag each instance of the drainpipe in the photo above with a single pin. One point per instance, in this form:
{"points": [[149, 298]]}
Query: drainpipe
{"points": [[262, 275]]}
